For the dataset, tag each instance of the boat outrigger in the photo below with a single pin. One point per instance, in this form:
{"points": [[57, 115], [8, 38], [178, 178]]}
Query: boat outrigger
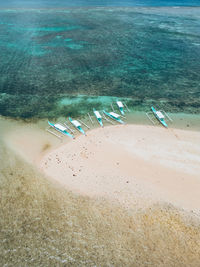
{"points": [[98, 116], [77, 125], [113, 116], [120, 106], [60, 128], [159, 116]]}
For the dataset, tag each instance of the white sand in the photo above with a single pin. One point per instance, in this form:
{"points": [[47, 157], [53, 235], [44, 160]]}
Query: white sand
{"points": [[131, 164]]}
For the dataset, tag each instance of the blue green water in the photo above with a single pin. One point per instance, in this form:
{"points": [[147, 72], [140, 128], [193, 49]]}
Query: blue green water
{"points": [[56, 62], [89, 3]]}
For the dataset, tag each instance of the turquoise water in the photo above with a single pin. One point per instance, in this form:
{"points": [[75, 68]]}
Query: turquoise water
{"points": [[86, 3], [58, 62]]}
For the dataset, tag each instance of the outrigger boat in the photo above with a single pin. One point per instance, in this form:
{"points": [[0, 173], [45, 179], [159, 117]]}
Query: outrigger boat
{"points": [[159, 116], [60, 128], [77, 125], [98, 116], [120, 106], [113, 116]]}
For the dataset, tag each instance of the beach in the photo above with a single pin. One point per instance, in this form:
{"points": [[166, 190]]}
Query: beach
{"points": [[136, 184], [125, 164], [131, 163]]}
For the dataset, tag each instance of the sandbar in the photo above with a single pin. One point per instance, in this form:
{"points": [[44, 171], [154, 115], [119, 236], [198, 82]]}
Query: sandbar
{"points": [[133, 165]]}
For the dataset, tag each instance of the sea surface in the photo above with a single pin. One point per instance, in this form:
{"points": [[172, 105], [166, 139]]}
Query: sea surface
{"points": [[58, 61], [94, 3]]}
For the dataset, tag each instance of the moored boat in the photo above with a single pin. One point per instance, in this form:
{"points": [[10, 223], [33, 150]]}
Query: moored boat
{"points": [[159, 116], [120, 106], [60, 128], [77, 125], [113, 116], [98, 117]]}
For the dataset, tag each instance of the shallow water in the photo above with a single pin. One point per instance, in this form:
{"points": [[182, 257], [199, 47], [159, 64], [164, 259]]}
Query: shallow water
{"points": [[52, 56]]}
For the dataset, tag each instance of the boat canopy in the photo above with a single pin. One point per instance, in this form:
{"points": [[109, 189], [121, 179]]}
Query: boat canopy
{"points": [[120, 105], [114, 114], [60, 127], [97, 114], [160, 115], [76, 123]]}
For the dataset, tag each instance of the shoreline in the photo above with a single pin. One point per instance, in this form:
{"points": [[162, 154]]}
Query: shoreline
{"points": [[11, 128]]}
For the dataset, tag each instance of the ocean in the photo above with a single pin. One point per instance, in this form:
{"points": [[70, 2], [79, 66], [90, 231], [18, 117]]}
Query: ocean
{"points": [[94, 3], [58, 60]]}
